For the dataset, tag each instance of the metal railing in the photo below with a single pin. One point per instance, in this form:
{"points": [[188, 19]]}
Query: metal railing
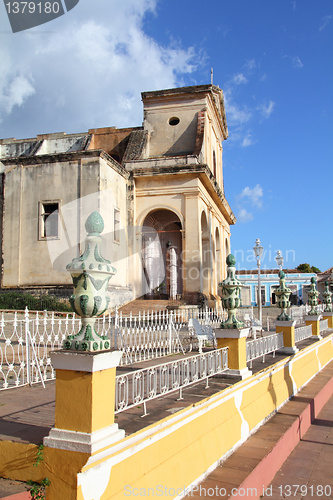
{"points": [[141, 386], [26, 339], [25, 343], [262, 346], [304, 332], [323, 325]]}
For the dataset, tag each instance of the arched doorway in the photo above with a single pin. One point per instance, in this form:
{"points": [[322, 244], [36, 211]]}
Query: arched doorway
{"points": [[161, 255]]}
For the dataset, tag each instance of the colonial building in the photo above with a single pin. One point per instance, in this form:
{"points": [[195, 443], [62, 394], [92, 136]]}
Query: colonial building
{"points": [[159, 188], [299, 283]]}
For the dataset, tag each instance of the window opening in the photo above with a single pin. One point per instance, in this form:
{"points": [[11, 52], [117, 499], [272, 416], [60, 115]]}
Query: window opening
{"points": [[50, 220], [116, 225]]}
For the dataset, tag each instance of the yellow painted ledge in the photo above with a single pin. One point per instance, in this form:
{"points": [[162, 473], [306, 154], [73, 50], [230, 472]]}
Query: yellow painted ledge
{"points": [[179, 449], [17, 462]]}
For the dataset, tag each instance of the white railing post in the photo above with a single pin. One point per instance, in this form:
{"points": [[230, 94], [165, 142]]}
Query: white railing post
{"points": [[170, 332], [27, 345]]}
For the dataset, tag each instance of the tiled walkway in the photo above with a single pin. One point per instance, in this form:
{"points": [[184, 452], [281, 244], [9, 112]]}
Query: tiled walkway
{"points": [[308, 471], [260, 467]]}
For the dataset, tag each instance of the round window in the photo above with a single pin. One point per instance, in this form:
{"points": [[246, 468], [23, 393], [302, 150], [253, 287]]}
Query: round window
{"points": [[174, 121]]}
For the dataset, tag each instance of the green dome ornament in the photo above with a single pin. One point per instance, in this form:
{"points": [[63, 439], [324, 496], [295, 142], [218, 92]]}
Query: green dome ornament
{"points": [[313, 295], [327, 294], [230, 295], [90, 274], [283, 293], [94, 224]]}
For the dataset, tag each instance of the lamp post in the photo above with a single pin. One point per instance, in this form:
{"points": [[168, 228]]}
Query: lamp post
{"points": [[279, 260], [258, 251]]}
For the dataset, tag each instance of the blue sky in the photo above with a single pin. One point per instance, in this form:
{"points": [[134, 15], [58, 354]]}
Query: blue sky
{"points": [[273, 60]]}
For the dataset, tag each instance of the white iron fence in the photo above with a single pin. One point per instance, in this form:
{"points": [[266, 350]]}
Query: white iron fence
{"points": [[323, 325], [141, 386], [302, 333], [26, 339], [262, 346]]}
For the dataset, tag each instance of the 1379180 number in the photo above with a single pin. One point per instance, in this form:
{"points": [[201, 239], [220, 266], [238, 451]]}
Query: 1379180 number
{"points": [[33, 8], [291, 490]]}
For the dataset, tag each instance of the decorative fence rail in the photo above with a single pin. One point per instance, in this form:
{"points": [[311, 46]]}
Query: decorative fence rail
{"points": [[141, 386], [262, 346], [26, 339], [323, 325], [304, 332]]}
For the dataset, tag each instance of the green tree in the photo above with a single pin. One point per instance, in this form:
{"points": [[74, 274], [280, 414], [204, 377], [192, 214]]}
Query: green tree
{"points": [[306, 268]]}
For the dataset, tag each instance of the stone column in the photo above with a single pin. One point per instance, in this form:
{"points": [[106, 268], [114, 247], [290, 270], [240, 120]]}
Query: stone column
{"points": [[85, 399], [314, 320], [328, 313], [232, 334], [235, 340], [85, 376], [313, 317], [288, 330], [191, 249], [283, 321]]}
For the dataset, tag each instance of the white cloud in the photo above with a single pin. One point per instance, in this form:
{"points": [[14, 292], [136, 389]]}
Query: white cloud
{"points": [[248, 201], [235, 114], [267, 109], [240, 115], [244, 215], [239, 79], [325, 21], [296, 62], [250, 64], [17, 90], [88, 72], [253, 196], [248, 140]]}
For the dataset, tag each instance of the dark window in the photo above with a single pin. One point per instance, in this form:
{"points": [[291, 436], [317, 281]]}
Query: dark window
{"points": [[50, 220]]}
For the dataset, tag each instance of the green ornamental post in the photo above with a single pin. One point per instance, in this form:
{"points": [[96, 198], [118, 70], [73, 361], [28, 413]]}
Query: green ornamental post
{"points": [[283, 294], [313, 297], [90, 274], [230, 292], [327, 298]]}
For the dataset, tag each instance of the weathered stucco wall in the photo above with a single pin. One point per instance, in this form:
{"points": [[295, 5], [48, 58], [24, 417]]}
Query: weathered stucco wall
{"points": [[80, 187]]}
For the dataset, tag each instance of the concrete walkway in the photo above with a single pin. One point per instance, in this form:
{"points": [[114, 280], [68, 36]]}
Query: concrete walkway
{"points": [[260, 468], [27, 414]]}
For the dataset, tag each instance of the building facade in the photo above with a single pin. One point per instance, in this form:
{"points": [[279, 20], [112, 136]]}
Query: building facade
{"points": [[159, 188], [299, 283]]}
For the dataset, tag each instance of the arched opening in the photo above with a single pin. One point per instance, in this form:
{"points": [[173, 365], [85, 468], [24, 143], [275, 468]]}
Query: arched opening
{"points": [[218, 257], [205, 260], [161, 255]]}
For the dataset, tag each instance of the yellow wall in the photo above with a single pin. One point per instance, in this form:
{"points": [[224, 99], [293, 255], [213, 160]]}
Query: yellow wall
{"points": [[81, 402], [17, 461], [176, 451]]}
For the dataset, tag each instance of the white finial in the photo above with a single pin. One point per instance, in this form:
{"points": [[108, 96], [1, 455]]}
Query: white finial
{"points": [[211, 75]]}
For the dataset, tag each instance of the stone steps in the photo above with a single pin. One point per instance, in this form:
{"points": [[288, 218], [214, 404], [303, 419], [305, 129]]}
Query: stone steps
{"points": [[140, 305]]}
